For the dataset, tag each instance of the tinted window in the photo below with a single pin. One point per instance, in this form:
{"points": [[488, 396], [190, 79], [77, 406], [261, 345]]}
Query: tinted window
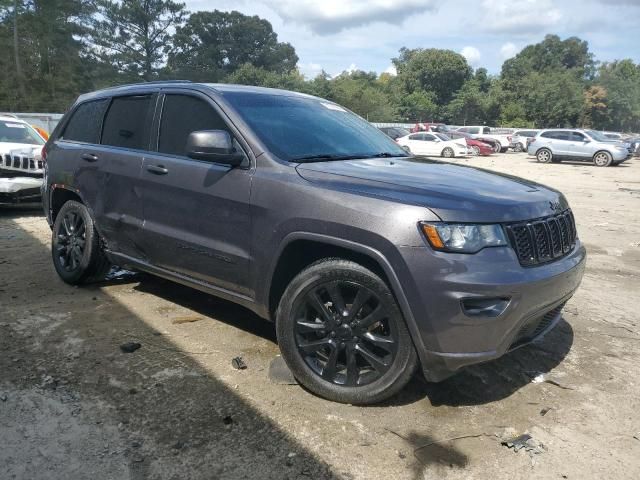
{"points": [[486, 130], [417, 136], [429, 138], [556, 135], [299, 127], [182, 115], [86, 122], [128, 122]]}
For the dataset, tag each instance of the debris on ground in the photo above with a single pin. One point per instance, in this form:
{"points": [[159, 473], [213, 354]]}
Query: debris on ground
{"points": [[279, 372], [540, 378], [544, 411], [228, 420], [130, 347], [238, 363], [186, 319], [526, 442], [119, 274], [3, 397]]}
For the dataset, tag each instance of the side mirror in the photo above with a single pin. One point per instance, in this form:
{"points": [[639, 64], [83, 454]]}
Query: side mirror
{"points": [[586, 140], [213, 146]]}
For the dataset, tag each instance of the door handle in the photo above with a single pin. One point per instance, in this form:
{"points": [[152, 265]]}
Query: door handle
{"points": [[157, 169], [89, 157]]}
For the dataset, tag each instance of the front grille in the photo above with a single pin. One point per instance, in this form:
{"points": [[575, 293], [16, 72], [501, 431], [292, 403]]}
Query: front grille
{"points": [[543, 240], [533, 329]]}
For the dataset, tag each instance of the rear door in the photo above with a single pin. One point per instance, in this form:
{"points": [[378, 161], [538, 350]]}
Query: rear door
{"points": [[196, 213]]}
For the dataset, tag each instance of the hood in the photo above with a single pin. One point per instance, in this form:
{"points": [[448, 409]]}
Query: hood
{"points": [[455, 193]]}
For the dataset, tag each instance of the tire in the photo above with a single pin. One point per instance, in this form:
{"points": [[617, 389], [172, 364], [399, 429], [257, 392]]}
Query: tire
{"points": [[496, 147], [448, 153], [503, 149], [475, 150], [544, 155], [76, 248], [602, 159], [339, 356], [518, 148]]}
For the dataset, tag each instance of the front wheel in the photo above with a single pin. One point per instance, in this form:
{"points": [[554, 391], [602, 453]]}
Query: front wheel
{"points": [[342, 334], [75, 246], [518, 148], [475, 150], [448, 152], [602, 159]]}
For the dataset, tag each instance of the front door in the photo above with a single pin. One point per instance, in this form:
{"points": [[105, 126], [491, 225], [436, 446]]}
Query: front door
{"points": [[196, 213]]}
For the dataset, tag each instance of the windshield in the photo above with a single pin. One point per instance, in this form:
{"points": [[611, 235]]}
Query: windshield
{"points": [[18, 132], [598, 136], [298, 128], [443, 137]]}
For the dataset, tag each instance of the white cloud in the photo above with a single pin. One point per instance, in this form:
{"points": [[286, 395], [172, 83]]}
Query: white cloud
{"points": [[331, 16], [525, 17], [508, 50], [391, 70], [472, 54], [310, 70]]}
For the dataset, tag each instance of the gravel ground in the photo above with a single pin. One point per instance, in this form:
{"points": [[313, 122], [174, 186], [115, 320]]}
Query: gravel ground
{"points": [[73, 405]]}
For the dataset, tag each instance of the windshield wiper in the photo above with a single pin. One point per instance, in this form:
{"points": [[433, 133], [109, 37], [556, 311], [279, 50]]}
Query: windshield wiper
{"points": [[327, 157]]}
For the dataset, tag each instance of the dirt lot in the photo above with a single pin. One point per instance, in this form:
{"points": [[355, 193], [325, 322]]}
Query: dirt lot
{"points": [[73, 405]]}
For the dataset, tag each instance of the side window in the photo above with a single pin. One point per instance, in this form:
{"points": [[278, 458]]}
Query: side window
{"points": [[486, 130], [86, 121], [563, 135], [429, 138], [551, 135], [463, 129], [128, 122], [417, 136], [577, 137], [182, 115]]}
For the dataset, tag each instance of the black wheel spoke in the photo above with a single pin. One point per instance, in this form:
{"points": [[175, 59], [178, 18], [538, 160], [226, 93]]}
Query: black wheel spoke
{"points": [[311, 327], [65, 224], [375, 316], [352, 366], [329, 370], [372, 359], [336, 298], [319, 306], [384, 343], [314, 346], [358, 302]]}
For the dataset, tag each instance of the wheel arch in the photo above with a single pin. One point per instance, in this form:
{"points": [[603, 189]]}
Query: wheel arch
{"points": [[293, 255], [61, 194]]}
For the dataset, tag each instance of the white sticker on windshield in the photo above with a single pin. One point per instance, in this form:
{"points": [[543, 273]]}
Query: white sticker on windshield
{"points": [[14, 125], [332, 106]]}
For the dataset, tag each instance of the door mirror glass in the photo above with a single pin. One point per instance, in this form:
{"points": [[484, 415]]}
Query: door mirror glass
{"points": [[213, 146]]}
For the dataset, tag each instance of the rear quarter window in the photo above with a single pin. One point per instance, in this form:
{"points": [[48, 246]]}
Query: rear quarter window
{"points": [[86, 122]]}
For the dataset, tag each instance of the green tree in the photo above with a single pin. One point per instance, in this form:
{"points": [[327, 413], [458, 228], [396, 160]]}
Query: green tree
{"points": [[211, 45], [621, 80], [249, 74], [134, 35], [440, 72]]}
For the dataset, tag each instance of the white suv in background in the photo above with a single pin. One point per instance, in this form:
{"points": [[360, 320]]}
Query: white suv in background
{"points": [[555, 145]]}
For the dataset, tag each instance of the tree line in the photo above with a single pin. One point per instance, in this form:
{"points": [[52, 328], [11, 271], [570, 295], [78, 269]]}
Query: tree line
{"points": [[54, 50]]}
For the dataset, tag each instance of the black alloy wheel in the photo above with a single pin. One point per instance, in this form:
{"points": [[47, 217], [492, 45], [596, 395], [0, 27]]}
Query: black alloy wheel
{"points": [[71, 241], [344, 335]]}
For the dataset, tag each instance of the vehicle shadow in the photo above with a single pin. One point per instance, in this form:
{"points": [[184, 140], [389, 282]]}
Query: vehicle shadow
{"points": [[494, 380], [570, 163], [156, 412]]}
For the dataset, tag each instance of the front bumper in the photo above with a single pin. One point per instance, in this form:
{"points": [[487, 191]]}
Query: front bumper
{"points": [[16, 190], [442, 281]]}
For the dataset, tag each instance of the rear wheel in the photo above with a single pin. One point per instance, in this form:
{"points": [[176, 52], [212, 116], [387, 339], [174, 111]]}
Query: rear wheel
{"points": [[342, 334], [475, 150], [544, 155], [496, 147], [448, 152], [518, 148], [602, 159], [75, 246]]}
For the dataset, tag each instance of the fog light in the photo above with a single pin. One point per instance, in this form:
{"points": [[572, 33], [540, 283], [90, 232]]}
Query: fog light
{"points": [[484, 307]]}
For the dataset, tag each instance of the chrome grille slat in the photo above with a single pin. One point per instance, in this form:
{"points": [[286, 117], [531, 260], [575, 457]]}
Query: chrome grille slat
{"points": [[543, 240]]}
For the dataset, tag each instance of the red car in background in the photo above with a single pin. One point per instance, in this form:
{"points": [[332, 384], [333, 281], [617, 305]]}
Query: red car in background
{"points": [[477, 147]]}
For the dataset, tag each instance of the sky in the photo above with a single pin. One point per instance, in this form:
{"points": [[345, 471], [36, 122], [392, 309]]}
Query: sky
{"points": [[339, 35]]}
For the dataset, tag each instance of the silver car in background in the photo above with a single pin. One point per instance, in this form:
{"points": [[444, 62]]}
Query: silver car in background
{"points": [[521, 139], [555, 145]]}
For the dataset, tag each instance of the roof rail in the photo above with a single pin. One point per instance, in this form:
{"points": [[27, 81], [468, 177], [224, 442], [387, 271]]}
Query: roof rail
{"points": [[7, 114], [154, 82]]}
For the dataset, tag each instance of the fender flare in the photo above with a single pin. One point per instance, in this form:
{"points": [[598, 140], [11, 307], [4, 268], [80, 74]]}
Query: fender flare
{"points": [[378, 257]]}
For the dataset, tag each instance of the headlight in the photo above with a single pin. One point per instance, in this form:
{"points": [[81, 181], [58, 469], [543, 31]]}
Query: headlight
{"points": [[463, 238]]}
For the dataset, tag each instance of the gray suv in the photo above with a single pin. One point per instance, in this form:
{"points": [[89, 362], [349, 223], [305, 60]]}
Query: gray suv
{"points": [[554, 145], [370, 261]]}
